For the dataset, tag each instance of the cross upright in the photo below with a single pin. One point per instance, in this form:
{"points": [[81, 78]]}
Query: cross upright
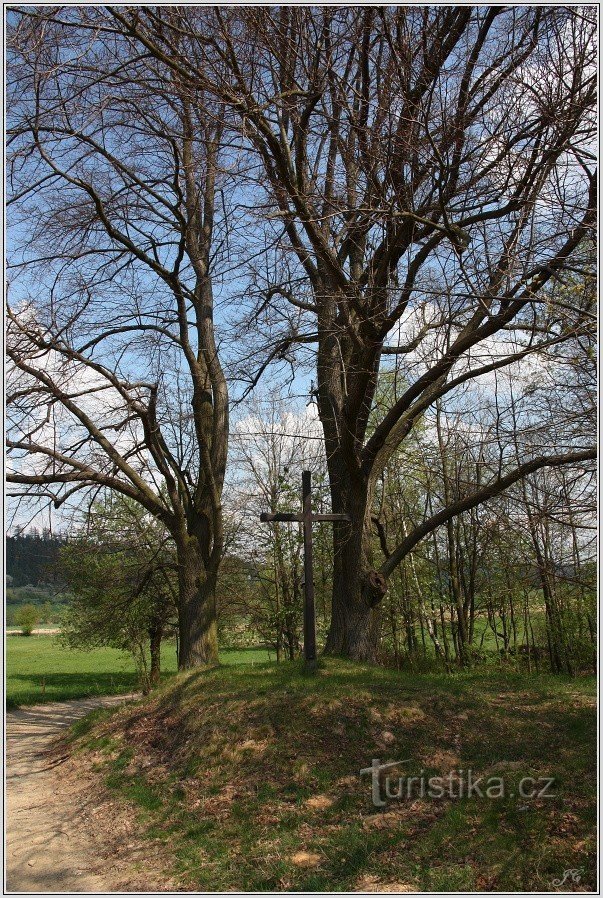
{"points": [[307, 519]]}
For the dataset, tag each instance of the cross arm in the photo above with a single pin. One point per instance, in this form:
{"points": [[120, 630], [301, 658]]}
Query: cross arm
{"points": [[267, 517]]}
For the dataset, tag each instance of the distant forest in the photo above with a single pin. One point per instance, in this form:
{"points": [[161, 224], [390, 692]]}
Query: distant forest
{"points": [[32, 558]]}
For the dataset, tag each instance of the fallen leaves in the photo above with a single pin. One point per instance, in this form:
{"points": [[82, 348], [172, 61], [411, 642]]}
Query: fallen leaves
{"points": [[443, 760], [372, 883], [306, 859], [404, 715], [319, 802], [254, 745]]}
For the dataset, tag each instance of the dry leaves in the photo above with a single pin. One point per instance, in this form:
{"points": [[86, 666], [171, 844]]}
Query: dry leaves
{"points": [[306, 859]]}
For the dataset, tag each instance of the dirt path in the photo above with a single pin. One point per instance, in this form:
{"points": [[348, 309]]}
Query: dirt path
{"points": [[49, 844]]}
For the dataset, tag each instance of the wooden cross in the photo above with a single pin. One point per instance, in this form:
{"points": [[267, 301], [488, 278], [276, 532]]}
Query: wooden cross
{"points": [[307, 519]]}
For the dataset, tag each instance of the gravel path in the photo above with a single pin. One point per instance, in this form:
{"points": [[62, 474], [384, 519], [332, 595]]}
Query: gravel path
{"points": [[48, 848]]}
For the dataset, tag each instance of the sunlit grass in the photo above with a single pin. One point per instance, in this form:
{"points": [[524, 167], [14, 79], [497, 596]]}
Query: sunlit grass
{"points": [[252, 775], [39, 669]]}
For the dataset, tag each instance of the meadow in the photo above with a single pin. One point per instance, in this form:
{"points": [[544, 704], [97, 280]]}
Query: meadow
{"points": [[40, 669]]}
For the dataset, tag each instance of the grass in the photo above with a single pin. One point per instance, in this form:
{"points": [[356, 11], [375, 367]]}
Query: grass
{"points": [[39, 669], [484, 642], [250, 776]]}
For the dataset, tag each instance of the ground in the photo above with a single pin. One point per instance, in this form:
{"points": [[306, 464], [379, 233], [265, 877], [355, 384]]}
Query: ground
{"points": [[247, 778], [53, 840]]}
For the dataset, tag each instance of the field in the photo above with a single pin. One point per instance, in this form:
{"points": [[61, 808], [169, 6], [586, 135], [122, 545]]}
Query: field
{"points": [[39, 669], [247, 778]]}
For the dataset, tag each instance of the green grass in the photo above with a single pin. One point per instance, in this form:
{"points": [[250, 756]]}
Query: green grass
{"points": [[484, 642], [39, 669], [249, 775]]}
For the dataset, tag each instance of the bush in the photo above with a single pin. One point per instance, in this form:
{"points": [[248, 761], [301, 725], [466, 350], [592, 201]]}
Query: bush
{"points": [[26, 618]]}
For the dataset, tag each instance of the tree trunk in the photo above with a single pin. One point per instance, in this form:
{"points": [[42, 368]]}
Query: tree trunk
{"points": [[155, 637], [344, 401], [355, 621], [197, 620]]}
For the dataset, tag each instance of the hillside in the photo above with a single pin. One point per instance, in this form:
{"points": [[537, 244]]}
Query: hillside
{"points": [[249, 778], [33, 558]]}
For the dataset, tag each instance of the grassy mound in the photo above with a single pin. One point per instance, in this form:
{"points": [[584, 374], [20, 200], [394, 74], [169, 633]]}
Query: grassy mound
{"points": [[251, 777]]}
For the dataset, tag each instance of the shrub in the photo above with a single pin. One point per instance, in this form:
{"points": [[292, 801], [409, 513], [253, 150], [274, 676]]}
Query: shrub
{"points": [[26, 618]]}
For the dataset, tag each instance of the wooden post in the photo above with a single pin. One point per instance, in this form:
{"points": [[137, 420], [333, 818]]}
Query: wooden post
{"points": [[309, 606], [306, 518]]}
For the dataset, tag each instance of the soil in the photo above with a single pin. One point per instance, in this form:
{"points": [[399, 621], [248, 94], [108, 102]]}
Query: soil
{"points": [[62, 833]]}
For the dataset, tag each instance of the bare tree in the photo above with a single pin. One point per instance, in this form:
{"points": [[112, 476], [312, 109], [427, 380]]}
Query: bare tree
{"points": [[424, 177], [118, 236], [428, 174], [271, 445]]}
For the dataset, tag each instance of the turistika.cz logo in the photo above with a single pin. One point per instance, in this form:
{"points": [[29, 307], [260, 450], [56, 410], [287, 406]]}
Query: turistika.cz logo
{"points": [[456, 784]]}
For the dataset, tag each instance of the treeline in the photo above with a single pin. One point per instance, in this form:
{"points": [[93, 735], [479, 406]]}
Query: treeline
{"points": [[32, 558]]}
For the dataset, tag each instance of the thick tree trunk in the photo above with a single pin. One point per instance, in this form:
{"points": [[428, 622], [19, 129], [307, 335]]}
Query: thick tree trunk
{"points": [[347, 379], [355, 625], [355, 628], [197, 620]]}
